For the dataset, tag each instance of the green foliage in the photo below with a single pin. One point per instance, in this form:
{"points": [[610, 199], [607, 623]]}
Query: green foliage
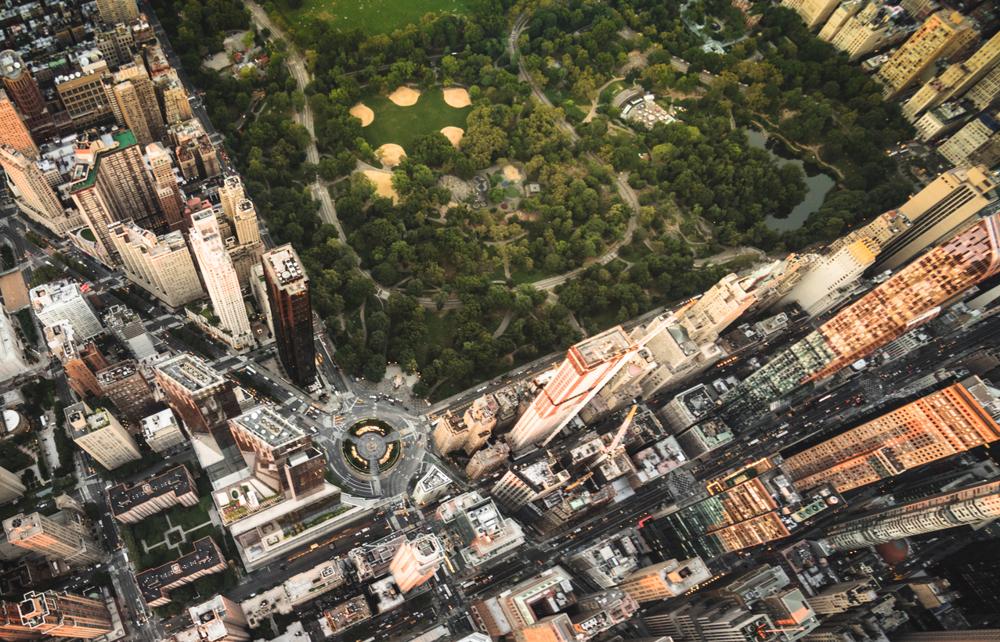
{"points": [[13, 458], [45, 274], [27, 325], [7, 260]]}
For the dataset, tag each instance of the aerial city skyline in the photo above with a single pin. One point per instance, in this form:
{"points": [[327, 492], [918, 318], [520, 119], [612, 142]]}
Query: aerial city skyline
{"points": [[510, 322]]}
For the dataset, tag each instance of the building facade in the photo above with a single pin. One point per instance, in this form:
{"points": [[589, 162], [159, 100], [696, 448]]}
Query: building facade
{"points": [[291, 311], [100, 435]]}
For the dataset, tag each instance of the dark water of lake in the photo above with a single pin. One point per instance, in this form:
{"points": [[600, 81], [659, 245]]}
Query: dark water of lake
{"points": [[817, 186]]}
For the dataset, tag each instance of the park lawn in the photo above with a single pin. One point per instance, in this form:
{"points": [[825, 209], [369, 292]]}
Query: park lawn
{"points": [[403, 125], [372, 16]]}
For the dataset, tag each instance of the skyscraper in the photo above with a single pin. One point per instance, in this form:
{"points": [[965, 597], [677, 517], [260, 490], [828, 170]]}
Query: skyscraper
{"points": [[943, 423], [813, 12], [129, 112], [161, 265], [951, 200], [291, 313], [55, 614], [281, 455], [134, 73], [62, 536], [908, 299], [416, 561], [63, 301], [587, 367], [969, 506], [665, 580], [176, 106], [80, 360], [941, 35], [114, 185], [100, 435], [165, 183], [13, 131], [953, 82], [34, 196], [875, 26], [978, 132], [10, 486], [114, 11], [219, 277], [217, 620], [200, 396], [19, 84]]}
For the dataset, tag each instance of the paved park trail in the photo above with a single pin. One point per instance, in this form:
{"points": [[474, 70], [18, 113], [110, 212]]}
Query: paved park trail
{"points": [[297, 67]]}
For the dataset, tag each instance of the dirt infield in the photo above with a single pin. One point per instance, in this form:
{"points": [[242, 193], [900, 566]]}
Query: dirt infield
{"points": [[457, 97], [390, 154], [382, 181], [363, 113], [454, 134], [512, 173], [405, 96]]}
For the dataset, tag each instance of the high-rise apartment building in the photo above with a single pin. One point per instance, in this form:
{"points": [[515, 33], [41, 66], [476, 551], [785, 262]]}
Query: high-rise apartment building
{"points": [[813, 12], [955, 81], [941, 424], [984, 92], [162, 431], [665, 580], [100, 435], [416, 561], [818, 290], [63, 536], [148, 107], [217, 620], [63, 301], [10, 486], [969, 506], [587, 367], [844, 596], [133, 503], [487, 460], [160, 264], [156, 583], [83, 95], [165, 183], [979, 131], [201, 397], [279, 454], [59, 615], [112, 184], [115, 42], [219, 277], [80, 361], [948, 202], [291, 312], [33, 194], [128, 111], [941, 35], [858, 28], [528, 482], [908, 299], [173, 97], [21, 86], [114, 11], [126, 387], [13, 132]]}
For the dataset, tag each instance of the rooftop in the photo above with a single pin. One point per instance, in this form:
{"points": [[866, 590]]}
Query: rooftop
{"points": [[283, 267], [191, 372], [55, 292], [176, 481], [153, 582], [81, 419], [123, 139], [268, 426], [117, 372], [602, 347]]}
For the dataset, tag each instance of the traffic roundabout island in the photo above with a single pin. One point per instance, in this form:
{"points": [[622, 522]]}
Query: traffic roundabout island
{"points": [[370, 447]]}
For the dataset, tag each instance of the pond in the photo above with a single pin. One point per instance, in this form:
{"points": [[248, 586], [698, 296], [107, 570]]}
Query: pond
{"points": [[817, 184]]}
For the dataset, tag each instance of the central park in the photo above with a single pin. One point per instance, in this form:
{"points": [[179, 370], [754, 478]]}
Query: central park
{"points": [[504, 179]]}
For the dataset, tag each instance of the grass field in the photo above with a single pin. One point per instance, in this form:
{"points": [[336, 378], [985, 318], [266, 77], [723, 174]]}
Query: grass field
{"points": [[403, 125], [373, 16]]}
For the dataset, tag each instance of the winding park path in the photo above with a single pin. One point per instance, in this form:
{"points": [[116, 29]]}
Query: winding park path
{"points": [[297, 67], [328, 212]]}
